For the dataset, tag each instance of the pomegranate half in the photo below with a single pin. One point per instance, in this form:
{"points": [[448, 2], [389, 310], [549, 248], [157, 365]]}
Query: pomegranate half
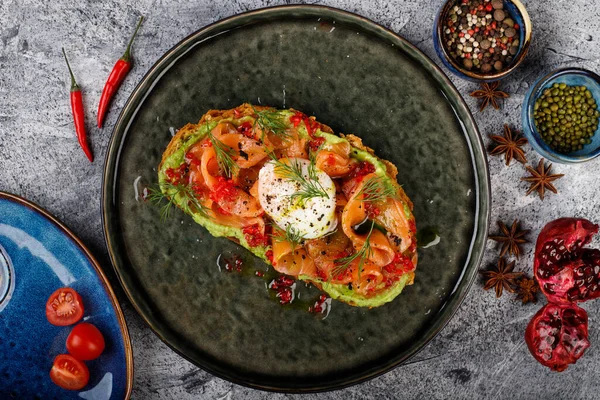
{"points": [[558, 335], [566, 271]]}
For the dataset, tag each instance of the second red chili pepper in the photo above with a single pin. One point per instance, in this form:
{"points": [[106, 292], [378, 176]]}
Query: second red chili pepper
{"points": [[116, 77], [78, 114]]}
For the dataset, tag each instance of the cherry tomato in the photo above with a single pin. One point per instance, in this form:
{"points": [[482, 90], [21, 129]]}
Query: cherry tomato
{"points": [[85, 342], [64, 307], [69, 373]]}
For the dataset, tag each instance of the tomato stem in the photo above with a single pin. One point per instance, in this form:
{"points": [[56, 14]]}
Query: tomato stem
{"points": [[127, 56], [74, 85]]}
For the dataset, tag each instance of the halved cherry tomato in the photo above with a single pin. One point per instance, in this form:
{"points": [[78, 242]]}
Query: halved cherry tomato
{"points": [[69, 373], [85, 342], [64, 307]]}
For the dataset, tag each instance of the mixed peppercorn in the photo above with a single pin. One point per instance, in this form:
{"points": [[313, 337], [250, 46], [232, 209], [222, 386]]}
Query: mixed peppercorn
{"points": [[480, 35]]}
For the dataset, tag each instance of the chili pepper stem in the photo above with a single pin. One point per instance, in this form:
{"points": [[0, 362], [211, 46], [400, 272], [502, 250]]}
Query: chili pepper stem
{"points": [[127, 55], [74, 85]]}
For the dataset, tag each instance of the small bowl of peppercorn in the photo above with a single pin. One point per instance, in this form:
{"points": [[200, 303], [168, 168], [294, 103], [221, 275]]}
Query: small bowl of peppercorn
{"points": [[482, 40], [560, 115]]}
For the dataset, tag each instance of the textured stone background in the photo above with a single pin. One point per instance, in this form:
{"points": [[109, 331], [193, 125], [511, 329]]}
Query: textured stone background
{"points": [[480, 354]]}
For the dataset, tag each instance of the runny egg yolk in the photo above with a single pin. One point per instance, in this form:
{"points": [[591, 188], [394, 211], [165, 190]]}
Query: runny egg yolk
{"points": [[310, 217]]}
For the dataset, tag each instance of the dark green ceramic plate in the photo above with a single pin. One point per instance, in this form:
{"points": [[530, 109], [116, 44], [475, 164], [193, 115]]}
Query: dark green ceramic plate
{"points": [[356, 77]]}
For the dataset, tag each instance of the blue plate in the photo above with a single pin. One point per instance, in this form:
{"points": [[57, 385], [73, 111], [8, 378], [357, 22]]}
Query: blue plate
{"points": [[37, 256]]}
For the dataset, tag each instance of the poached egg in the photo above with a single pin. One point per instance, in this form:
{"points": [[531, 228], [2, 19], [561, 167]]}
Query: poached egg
{"points": [[310, 217]]}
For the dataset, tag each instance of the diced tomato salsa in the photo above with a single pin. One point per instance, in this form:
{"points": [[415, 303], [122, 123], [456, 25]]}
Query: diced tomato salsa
{"points": [[224, 190], [254, 236], [400, 264], [246, 129], [362, 168], [315, 143], [297, 118], [311, 126], [176, 175]]}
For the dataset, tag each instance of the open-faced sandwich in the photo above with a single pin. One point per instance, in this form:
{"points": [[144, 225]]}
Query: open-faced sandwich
{"points": [[314, 205]]}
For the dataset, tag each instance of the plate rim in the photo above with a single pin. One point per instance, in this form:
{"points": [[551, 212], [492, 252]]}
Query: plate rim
{"points": [[99, 272], [480, 171]]}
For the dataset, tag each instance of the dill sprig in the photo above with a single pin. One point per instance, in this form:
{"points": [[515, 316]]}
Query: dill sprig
{"points": [[312, 155], [225, 155], [290, 234], [169, 192], [309, 187], [271, 121], [342, 264], [376, 190]]}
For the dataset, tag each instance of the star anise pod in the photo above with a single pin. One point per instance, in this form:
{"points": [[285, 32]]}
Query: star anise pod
{"points": [[489, 94], [541, 179], [501, 277], [527, 290], [510, 146], [511, 239]]}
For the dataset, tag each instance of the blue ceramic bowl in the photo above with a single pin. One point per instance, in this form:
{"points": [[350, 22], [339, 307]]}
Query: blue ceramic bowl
{"points": [[516, 11], [572, 77]]}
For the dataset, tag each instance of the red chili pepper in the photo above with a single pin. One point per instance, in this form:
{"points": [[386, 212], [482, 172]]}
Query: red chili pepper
{"points": [[116, 77], [78, 114]]}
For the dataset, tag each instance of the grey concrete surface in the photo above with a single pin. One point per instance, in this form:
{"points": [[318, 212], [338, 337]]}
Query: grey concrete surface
{"points": [[480, 354]]}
